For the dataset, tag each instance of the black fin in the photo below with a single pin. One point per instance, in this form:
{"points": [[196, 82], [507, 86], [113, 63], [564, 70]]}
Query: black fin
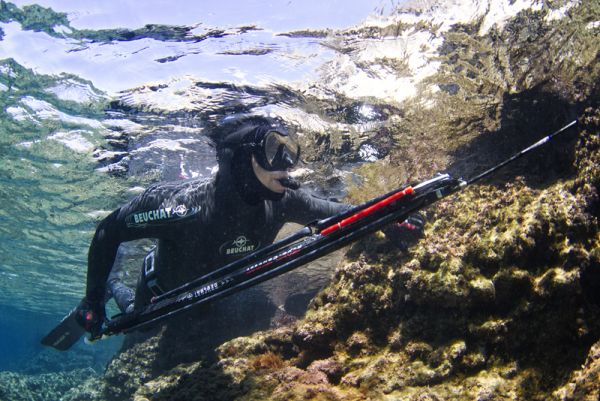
{"points": [[66, 334]]}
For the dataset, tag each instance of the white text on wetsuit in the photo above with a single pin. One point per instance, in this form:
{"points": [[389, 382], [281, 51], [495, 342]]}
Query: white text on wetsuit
{"points": [[152, 215], [143, 218]]}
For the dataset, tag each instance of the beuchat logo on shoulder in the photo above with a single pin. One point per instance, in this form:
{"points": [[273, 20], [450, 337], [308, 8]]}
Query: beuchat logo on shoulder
{"points": [[160, 216]]}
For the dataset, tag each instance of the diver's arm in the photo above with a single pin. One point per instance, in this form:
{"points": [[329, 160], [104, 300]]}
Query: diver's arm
{"points": [[116, 228], [103, 249], [101, 256], [301, 207], [145, 216]]}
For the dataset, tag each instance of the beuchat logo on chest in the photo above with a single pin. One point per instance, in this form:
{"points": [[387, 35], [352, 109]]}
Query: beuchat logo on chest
{"points": [[240, 245]]}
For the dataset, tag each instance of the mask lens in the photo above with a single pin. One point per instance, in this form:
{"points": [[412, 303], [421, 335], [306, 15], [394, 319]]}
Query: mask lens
{"points": [[281, 151]]}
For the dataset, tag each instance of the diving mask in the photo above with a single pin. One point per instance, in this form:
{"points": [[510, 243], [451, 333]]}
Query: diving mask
{"points": [[277, 151]]}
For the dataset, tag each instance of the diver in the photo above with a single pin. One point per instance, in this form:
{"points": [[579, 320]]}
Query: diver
{"points": [[201, 225]]}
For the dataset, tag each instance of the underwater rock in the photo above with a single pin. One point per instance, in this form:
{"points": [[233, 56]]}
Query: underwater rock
{"points": [[133, 368], [332, 368], [41, 387], [584, 384], [89, 390]]}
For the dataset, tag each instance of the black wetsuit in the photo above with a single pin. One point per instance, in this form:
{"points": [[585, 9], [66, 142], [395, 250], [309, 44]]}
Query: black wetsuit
{"points": [[200, 225]]}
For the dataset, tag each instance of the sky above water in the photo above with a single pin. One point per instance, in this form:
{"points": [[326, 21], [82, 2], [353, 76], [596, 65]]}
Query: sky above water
{"points": [[276, 15], [114, 67]]}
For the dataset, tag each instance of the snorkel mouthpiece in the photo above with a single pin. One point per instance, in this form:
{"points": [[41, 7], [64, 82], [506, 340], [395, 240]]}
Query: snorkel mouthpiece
{"points": [[290, 183]]}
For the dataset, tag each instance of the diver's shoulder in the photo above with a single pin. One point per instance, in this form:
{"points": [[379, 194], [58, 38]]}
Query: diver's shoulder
{"points": [[175, 186], [190, 188]]}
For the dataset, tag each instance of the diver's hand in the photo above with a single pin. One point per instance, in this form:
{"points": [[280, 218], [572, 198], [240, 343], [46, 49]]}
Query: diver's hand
{"points": [[90, 316], [413, 224], [406, 233]]}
